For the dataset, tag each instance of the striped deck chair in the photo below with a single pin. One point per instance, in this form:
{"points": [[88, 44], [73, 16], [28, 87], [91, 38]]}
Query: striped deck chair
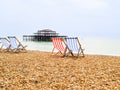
{"points": [[5, 44], [59, 45], [74, 45], [16, 45]]}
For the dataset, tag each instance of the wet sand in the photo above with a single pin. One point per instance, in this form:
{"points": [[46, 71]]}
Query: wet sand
{"points": [[35, 70]]}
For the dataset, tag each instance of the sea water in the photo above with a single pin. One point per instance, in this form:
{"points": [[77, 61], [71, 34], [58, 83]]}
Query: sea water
{"points": [[92, 45], [102, 46]]}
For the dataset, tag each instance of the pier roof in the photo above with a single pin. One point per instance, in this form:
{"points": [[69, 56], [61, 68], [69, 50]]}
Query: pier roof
{"points": [[46, 30]]}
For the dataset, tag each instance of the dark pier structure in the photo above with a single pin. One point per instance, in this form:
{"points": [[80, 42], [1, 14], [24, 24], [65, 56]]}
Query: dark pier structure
{"points": [[42, 35]]}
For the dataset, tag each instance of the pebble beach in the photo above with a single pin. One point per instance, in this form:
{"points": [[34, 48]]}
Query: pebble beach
{"points": [[36, 70]]}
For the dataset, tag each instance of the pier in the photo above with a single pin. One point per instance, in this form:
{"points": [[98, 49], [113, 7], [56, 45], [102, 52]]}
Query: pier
{"points": [[42, 35]]}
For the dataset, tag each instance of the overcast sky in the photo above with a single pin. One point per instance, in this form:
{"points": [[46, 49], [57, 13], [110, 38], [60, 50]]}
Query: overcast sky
{"points": [[69, 17]]}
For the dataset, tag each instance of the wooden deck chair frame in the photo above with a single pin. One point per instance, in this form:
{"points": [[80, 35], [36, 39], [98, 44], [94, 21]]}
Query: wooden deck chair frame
{"points": [[16, 45], [58, 45], [73, 44], [5, 44]]}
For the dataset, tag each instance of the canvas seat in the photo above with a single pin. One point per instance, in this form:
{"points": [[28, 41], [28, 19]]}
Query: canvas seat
{"points": [[74, 46], [58, 45], [16, 45], [5, 44]]}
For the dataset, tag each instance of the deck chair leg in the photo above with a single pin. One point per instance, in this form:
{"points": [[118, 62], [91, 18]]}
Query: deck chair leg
{"points": [[70, 52], [55, 53], [59, 52], [82, 53], [53, 50], [1, 48], [64, 54], [78, 52]]}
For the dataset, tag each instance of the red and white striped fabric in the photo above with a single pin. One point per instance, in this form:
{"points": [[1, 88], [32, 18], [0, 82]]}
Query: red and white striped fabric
{"points": [[58, 44]]}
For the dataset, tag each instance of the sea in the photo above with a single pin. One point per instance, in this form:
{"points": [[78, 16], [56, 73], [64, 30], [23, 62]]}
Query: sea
{"points": [[91, 45]]}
